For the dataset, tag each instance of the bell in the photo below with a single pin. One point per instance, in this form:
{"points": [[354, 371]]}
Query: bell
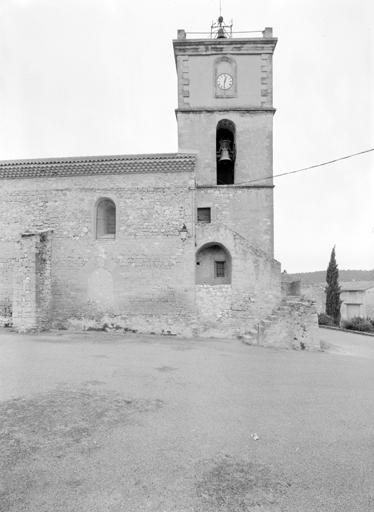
{"points": [[221, 34], [224, 155], [225, 146]]}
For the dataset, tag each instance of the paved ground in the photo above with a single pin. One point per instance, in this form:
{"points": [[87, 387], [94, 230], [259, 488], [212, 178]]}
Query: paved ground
{"points": [[99, 422]]}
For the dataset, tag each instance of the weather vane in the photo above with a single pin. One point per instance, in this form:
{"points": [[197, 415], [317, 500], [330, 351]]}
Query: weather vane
{"points": [[219, 29]]}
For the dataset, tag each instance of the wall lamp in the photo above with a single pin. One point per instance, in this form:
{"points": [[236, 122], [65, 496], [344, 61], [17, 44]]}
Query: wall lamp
{"points": [[183, 233]]}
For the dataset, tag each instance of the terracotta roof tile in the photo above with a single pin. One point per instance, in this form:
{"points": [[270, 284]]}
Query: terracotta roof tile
{"points": [[83, 166]]}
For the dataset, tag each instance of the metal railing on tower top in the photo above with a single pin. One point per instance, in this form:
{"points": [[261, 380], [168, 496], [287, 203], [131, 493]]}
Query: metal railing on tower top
{"points": [[221, 30]]}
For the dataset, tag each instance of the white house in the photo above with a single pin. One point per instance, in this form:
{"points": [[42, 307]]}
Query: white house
{"points": [[358, 299]]}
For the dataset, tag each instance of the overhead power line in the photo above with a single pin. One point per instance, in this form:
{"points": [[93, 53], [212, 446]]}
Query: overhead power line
{"points": [[306, 168]]}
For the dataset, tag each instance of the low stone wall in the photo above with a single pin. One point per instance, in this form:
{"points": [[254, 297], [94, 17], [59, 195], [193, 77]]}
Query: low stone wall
{"points": [[294, 325], [315, 292], [291, 287], [142, 324]]}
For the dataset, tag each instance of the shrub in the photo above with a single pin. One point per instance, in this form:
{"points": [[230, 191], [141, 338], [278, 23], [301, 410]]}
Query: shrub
{"points": [[324, 319], [357, 323]]}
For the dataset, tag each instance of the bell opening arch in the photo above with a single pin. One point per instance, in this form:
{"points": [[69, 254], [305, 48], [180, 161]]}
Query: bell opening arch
{"points": [[225, 152]]}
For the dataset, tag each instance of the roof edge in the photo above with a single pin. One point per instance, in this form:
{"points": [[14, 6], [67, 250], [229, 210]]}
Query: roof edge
{"points": [[102, 158]]}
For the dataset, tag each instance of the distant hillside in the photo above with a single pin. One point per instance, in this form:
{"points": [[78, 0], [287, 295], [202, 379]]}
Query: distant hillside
{"points": [[344, 275]]}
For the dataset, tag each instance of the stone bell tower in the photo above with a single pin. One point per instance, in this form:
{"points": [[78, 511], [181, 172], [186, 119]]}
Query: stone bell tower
{"points": [[225, 114]]}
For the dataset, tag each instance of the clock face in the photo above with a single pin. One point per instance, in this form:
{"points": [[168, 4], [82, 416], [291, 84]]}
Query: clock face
{"points": [[224, 81]]}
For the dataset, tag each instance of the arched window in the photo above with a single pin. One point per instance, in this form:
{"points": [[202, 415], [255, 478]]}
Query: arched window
{"points": [[105, 219], [226, 152]]}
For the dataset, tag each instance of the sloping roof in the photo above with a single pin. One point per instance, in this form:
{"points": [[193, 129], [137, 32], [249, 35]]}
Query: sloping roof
{"points": [[356, 286], [96, 165]]}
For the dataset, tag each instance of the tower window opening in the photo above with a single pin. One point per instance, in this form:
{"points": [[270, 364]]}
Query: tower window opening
{"points": [[225, 152], [203, 215]]}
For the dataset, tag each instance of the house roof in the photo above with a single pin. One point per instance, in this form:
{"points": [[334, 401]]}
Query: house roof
{"points": [[96, 165], [356, 286]]}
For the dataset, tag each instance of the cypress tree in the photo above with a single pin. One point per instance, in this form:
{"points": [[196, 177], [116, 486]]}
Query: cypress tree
{"points": [[332, 289]]}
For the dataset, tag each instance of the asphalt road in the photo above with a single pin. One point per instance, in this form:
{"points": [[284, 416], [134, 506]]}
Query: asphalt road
{"points": [[107, 422]]}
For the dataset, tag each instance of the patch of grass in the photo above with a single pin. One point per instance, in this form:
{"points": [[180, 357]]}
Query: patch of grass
{"points": [[237, 485], [36, 433]]}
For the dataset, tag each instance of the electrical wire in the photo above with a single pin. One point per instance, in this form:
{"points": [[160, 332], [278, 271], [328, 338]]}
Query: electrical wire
{"points": [[306, 168]]}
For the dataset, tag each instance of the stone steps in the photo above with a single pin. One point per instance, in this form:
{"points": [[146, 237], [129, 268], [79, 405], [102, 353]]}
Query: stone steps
{"points": [[293, 325], [256, 336]]}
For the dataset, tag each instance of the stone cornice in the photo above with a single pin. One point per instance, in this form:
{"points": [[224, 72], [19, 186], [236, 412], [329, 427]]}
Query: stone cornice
{"points": [[201, 47], [254, 110], [233, 186]]}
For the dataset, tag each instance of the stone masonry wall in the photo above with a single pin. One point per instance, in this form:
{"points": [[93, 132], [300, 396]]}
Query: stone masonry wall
{"points": [[254, 144], [24, 289], [255, 283], [6, 277], [147, 269], [291, 287], [315, 292], [43, 281], [249, 211], [295, 326], [214, 310], [32, 290]]}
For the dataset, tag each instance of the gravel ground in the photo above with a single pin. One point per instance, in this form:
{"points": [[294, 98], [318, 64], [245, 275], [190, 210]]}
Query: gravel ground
{"points": [[107, 422]]}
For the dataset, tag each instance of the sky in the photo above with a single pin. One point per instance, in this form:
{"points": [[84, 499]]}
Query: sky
{"points": [[97, 77]]}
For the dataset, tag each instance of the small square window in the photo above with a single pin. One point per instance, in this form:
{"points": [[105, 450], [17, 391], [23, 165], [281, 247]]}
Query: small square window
{"points": [[220, 268], [203, 215]]}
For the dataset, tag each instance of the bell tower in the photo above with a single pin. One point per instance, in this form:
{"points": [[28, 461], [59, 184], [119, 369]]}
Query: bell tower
{"points": [[225, 114]]}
